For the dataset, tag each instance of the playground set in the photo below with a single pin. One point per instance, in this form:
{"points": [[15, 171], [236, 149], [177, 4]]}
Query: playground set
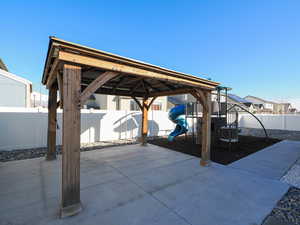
{"points": [[224, 118]]}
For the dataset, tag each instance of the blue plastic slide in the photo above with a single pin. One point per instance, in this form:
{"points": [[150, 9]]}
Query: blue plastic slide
{"points": [[176, 115]]}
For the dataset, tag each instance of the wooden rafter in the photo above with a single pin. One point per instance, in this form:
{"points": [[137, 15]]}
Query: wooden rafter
{"points": [[168, 86], [108, 91], [137, 84], [97, 83], [173, 92], [133, 80], [122, 80], [151, 86], [145, 87]]}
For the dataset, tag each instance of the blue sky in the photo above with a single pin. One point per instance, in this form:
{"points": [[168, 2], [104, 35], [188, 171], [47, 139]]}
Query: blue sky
{"points": [[251, 46]]}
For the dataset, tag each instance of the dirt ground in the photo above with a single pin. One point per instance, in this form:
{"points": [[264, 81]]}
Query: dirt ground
{"points": [[220, 151]]}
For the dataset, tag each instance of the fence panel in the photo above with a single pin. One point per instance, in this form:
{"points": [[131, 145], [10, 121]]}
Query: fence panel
{"points": [[22, 128]]}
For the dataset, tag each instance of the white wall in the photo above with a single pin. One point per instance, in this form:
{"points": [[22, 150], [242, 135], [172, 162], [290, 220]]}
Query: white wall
{"points": [[271, 121], [27, 128]]}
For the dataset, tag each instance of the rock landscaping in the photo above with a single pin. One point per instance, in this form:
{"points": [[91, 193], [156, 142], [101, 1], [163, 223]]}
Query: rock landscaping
{"points": [[287, 210], [20, 154]]}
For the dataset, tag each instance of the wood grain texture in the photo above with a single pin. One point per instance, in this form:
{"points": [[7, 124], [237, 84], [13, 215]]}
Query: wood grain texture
{"points": [[71, 137], [117, 67], [206, 130], [52, 74], [60, 88], [52, 118], [144, 122], [96, 84]]}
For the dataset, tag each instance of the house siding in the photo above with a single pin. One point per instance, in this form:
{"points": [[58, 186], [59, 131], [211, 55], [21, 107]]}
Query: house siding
{"points": [[12, 92]]}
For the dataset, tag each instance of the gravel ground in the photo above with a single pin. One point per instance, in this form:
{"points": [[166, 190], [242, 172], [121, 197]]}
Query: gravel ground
{"points": [[292, 177], [278, 134], [287, 210], [20, 154]]}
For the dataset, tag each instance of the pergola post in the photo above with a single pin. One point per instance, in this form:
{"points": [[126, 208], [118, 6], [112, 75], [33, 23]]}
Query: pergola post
{"points": [[70, 196], [144, 122], [51, 139], [204, 97], [206, 130]]}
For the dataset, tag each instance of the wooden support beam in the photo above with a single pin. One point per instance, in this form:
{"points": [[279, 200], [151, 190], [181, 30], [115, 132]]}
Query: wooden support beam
{"points": [[149, 104], [96, 84], [70, 196], [108, 91], [52, 74], [151, 86], [206, 131], [144, 122], [60, 88], [122, 80], [145, 87], [136, 86], [52, 118], [134, 70], [199, 95], [137, 102], [173, 92]]}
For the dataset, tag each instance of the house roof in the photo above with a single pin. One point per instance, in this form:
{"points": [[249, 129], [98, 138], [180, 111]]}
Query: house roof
{"points": [[133, 77], [259, 99], [3, 66], [238, 99], [15, 77]]}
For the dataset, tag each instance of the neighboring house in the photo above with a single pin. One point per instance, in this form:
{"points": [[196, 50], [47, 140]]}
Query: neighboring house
{"points": [[282, 108], [234, 99], [268, 106], [3, 66], [112, 102], [15, 91]]}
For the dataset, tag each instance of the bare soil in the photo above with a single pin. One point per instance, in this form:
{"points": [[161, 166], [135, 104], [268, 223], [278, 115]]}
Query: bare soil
{"points": [[221, 152]]}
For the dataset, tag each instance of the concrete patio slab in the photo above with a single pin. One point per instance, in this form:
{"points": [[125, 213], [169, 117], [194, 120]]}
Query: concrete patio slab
{"points": [[137, 185], [272, 162]]}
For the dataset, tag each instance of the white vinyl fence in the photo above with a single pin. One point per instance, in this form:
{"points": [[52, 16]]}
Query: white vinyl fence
{"points": [[270, 121], [27, 128]]}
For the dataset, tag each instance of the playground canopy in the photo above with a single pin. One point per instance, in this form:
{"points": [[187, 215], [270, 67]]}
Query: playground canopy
{"points": [[77, 72]]}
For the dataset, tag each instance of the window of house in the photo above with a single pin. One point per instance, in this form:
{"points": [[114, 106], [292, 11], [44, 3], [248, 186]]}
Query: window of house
{"points": [[156, 106]]}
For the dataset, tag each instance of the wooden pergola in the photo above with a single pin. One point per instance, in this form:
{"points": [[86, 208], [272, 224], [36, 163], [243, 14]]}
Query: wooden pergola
{"points": [[76, 72]]}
